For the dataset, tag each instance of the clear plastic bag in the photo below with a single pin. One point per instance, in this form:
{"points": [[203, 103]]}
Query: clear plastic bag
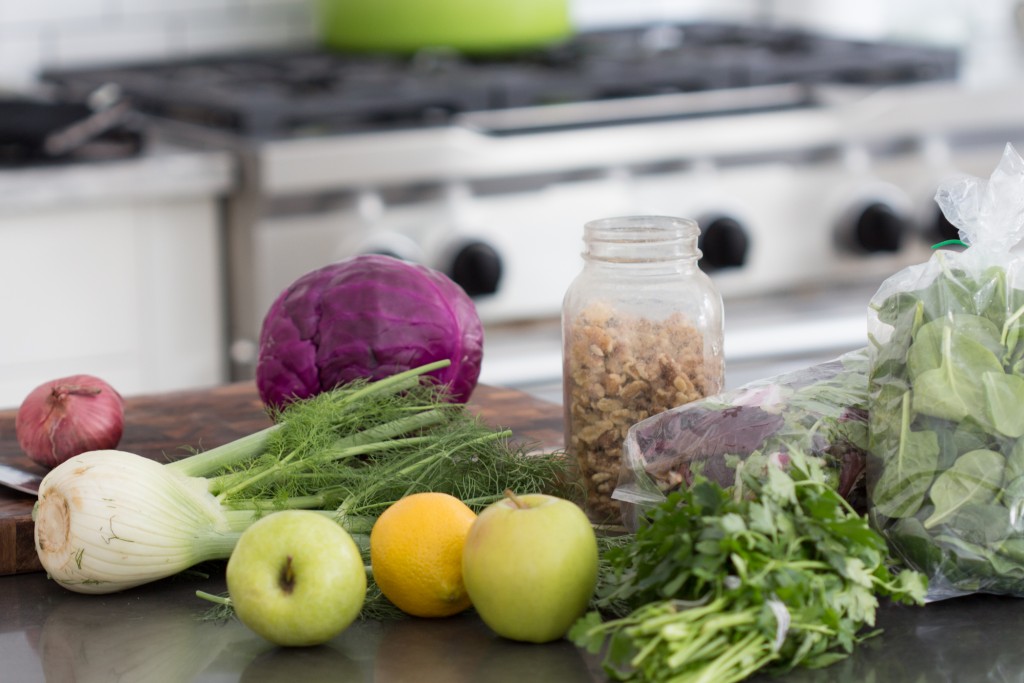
{"points": [[945, 470], [820, 410]]}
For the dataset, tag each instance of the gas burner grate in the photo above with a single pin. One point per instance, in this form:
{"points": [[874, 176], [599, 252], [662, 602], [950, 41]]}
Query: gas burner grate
{"points": [[283, 94]]}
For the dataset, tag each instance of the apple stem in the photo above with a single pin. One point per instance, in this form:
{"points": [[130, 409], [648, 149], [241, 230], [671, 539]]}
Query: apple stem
{"points": [[516, 500]]}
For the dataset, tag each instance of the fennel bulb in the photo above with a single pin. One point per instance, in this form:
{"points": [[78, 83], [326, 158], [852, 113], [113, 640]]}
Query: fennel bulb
{"points": [[110, 520]]}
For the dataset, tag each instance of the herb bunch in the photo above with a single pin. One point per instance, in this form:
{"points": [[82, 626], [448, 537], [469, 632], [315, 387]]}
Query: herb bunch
{"points": [[776, 572]]}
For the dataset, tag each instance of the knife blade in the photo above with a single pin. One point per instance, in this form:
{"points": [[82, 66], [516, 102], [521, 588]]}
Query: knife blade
{"points": [[19, 479]]}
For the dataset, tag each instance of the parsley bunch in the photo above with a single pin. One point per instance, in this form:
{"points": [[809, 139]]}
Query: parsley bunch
{"points": [[775, 572]]}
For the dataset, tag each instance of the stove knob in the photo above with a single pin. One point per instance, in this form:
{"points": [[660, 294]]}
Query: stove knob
{"points": [[943, 229], [879, 228], [476, 267], [723, 242]]}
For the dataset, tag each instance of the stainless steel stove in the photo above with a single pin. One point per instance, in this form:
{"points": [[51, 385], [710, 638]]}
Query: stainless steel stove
{"points": [[809, 161]]}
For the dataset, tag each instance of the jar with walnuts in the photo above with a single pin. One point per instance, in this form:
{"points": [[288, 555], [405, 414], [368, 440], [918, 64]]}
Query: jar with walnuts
{"points": [[642, 331]]}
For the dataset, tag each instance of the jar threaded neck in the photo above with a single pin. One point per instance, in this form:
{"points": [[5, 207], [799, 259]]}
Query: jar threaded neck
{"points": [[641, 239]]}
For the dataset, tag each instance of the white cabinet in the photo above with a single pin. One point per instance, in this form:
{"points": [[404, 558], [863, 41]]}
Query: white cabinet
{"points": [[114, 270]]}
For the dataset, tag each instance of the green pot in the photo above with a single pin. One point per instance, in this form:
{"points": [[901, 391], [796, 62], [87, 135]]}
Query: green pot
{"points": [[470, 26]]}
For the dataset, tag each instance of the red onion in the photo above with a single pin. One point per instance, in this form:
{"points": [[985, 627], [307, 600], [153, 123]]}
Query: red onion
{"points": [[68, 416]]}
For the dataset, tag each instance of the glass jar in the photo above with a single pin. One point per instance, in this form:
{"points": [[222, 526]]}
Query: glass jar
{"points": [[642, 330]]}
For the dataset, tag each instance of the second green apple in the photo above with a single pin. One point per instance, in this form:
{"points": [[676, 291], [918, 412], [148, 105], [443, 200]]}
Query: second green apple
{"points": [[530, 566]]}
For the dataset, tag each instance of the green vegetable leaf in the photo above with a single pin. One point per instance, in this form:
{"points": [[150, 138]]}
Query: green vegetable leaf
{"points": [[907, 474], [1013, 548], [780, 486], [915, 545], [952, 391], [926, 352], [975, 478], [912, 586], [859, 602], [1013, 499], [970, 436], [1015, 461], [1004, 396], [984, 524], [855, 570], [586, 632]]}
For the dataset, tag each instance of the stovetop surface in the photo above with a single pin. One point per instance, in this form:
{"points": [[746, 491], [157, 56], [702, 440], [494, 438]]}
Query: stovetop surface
{"points": [[284, 93]]}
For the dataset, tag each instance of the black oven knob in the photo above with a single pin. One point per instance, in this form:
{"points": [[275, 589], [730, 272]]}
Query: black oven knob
{"points": [[943, 229], [724, 243], [879, 228], [476, 267]]}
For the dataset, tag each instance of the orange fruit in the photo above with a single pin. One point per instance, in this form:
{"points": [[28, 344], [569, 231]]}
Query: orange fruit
{"points": [[416, 554]]}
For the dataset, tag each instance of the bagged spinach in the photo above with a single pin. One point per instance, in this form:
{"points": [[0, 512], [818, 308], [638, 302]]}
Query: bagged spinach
{"points": [[820, 410], [945, 468]]}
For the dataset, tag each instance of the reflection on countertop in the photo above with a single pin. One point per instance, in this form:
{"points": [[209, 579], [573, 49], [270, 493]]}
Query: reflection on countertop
{"points": [[163, 632], [160, 632]]}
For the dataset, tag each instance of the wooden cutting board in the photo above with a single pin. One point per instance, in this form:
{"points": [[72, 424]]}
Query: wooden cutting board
{"points": [[166, 426]]}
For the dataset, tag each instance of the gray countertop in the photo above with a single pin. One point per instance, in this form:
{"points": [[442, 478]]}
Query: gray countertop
{"points": [[162, 170], [157, 633]]}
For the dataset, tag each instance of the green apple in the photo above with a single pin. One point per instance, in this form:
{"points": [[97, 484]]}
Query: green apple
{"points": [[530, 566], [296, 578]]}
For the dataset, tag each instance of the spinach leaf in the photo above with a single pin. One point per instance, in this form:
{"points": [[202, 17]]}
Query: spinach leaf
{"points": [[1013, 501], [970, 436], [1004, 396], [915, 545], [926, 352], [951, 389], [907, 474], [1013, 550], [897, 308], [970, 563], [984, 524], [1015, 461], [989, 296], [1008, 572], [975, 478]]}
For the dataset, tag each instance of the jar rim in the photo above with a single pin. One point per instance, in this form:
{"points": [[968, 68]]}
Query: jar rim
{"points": [[640, 229]]}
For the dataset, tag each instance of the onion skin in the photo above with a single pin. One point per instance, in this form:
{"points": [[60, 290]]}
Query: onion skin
{"points": [[64, 417]]}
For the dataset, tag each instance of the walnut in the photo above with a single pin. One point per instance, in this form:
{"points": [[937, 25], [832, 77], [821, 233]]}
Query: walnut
{"points": [[622, 369]]}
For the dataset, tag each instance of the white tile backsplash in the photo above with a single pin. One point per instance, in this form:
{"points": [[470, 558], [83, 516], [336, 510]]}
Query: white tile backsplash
{"points": [[272, 25], [66, 33], [14, 13], [20, 56], [73, 46]]}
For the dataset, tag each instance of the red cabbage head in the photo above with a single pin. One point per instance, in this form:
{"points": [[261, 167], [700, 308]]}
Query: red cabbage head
{"points": [[367, 317]]}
